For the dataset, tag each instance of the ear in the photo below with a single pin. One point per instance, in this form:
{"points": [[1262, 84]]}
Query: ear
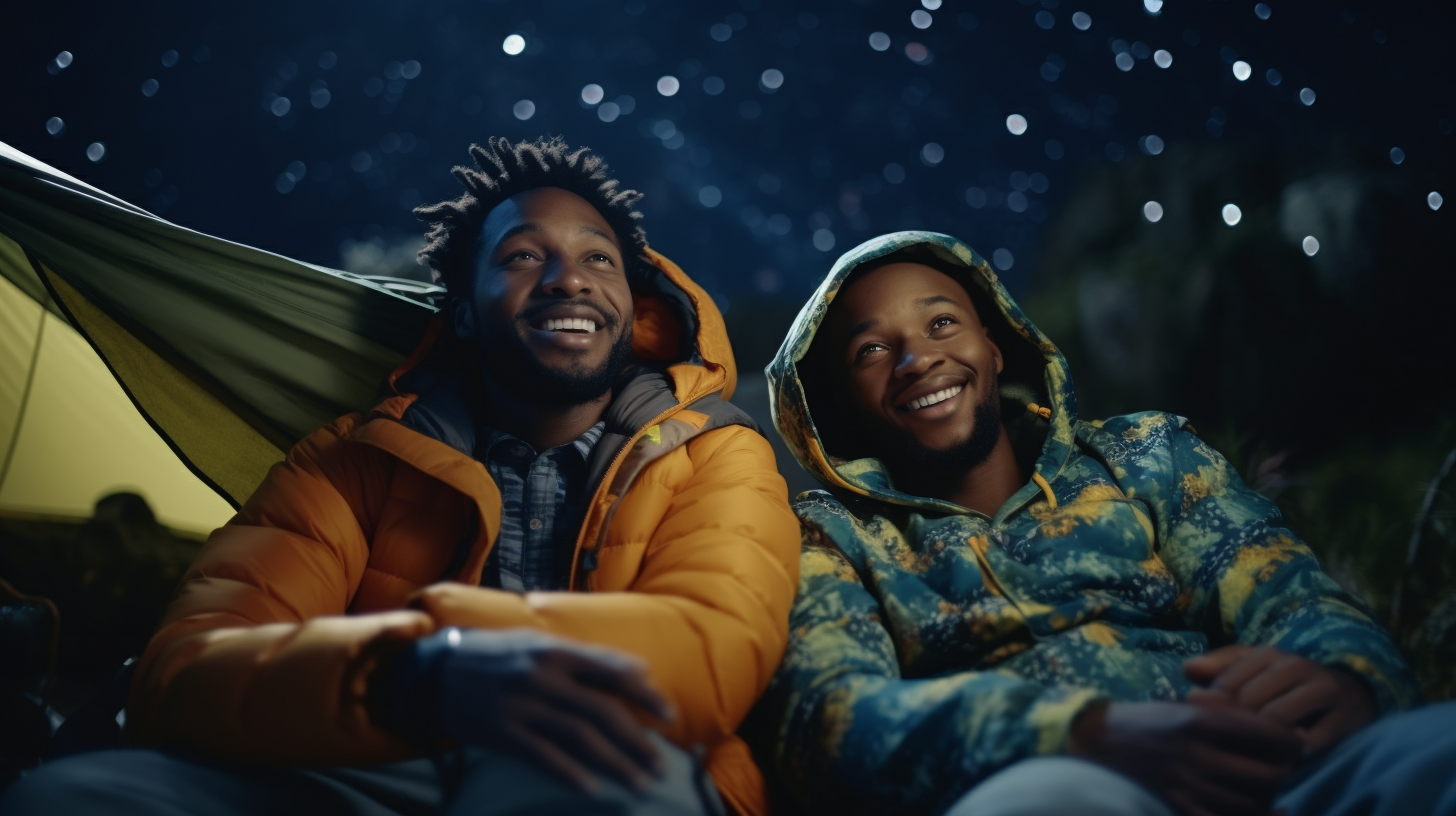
{"points": [[463, 318]]}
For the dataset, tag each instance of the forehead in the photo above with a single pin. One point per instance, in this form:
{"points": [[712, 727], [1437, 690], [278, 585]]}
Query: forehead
{"points": [[547, 209], [894, 290]]}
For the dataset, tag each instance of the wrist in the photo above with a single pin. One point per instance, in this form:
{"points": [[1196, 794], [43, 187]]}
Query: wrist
{"points": [[403, 694]]}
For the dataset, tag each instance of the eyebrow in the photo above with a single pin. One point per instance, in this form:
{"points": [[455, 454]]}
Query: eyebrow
{"points": [[531, 227], [861, 328]]}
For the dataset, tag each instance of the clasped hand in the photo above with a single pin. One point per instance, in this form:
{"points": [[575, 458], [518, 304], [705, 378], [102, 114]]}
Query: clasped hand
{"points": [[570, 707], [1231, 746]]}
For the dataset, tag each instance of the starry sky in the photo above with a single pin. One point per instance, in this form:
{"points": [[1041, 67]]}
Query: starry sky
{"points": [[768, 136]]}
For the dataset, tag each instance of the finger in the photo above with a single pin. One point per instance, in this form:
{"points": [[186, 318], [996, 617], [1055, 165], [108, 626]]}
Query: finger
{"points": [[625, 678], [1283, 674], [579, 738], [1209, 698], [1205, 667], [1329, 730], [1301, 705], [1248, 734], [544, 753], [1244, 669], [609, 714], [1255, 776]]}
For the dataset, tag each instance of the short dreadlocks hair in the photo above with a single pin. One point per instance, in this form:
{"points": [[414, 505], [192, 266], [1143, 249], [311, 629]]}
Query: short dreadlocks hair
{"points": [[502, 170]]}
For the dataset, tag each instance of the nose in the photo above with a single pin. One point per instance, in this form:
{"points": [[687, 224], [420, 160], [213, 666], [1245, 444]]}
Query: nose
{"points": [[916, 358], [561, 278]]}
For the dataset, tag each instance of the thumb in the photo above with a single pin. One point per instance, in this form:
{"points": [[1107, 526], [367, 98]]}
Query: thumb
{"points": [[1204, 668]]}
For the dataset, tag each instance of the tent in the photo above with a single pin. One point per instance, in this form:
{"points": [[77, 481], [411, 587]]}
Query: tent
{"points": [[138, 354]]}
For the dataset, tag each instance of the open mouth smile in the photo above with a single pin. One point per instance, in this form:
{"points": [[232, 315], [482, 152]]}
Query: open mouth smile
{"points": [[578, 325], [932, 399]]}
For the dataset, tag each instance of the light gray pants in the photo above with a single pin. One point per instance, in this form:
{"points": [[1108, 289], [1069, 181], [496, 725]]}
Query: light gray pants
{"points": [[486, 783], [1403, 765]]}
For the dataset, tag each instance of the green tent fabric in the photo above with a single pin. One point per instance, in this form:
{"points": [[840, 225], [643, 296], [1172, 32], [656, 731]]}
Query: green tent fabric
{"points": [[230, 353]]}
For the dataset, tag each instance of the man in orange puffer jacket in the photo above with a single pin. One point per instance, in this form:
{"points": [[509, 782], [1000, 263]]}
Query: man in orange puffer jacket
{"points": [[540, 576]]}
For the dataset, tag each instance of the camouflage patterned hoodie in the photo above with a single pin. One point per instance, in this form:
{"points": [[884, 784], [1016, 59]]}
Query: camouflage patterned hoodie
{"points": [[931, 645]]}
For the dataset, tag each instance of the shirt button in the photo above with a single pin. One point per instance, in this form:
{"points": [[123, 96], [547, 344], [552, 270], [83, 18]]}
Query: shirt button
{"points": [[535, 524]]}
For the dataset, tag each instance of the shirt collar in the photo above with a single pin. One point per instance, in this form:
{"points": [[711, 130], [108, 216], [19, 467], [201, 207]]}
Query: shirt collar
{"points": [[583, 444]]}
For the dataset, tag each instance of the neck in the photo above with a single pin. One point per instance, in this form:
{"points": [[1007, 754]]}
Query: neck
{"points": [[983, 488], [542, 426]]}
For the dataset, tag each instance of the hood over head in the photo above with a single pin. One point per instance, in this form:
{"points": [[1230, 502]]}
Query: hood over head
{"points": [[1037, 402]]}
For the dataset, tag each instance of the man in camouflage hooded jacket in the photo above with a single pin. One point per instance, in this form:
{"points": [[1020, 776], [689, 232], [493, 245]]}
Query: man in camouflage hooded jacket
{"points": [[1005, 608]]}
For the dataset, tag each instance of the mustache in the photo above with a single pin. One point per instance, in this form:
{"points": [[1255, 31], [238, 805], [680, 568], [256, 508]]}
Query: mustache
{"points": [[609, 320]]}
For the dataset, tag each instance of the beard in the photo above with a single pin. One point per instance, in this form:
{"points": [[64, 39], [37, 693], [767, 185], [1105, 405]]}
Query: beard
{"points": [[505, 357], [923, 466]]}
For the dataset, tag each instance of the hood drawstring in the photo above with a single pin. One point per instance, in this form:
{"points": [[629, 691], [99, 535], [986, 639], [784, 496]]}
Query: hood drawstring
{"points": [[1040, 410], [1045, 488]]}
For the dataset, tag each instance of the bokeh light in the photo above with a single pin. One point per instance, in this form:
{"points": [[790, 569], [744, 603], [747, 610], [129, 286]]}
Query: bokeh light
{"points": [[710, 196], [1397, 155], [55, 126], [1124, 61], [1310, 245], [713, 85], [920, 18], [823, 240], [1163, 58], [1153, 211], [1082, 20], [514, 44], [894, 173], [1262, 11], [932, 154], [609, 111], [771, 79], [1153, 7], [880, 41], [1242, 70], [1232, 214], [1016, 124], [592, 94], [668, 85], [96, 151], [150, 88], [524, 109], [1306, 95], [1003, 259], [1434, 200]]}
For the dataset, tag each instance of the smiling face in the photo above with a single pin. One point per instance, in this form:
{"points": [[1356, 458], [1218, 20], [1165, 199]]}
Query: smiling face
{"points": [[917, 366], [550, 309]]}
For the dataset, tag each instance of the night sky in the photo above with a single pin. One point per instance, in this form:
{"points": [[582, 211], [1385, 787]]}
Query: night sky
{"points": [[768, 136]]}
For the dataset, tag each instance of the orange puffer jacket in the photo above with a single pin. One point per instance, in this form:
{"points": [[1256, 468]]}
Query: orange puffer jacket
{"points": [[372, 532]]}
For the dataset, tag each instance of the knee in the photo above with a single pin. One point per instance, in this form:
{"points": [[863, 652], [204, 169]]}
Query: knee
{"points": [[72, 785], [1057, 786]]}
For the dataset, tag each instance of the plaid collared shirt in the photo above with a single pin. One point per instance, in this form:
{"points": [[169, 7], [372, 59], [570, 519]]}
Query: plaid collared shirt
{"points": [[543, 501]]}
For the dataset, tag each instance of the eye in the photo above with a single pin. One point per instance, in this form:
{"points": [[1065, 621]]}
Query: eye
{"points": [[941, 322], [867, 349], [519, 255], [599, 257]]}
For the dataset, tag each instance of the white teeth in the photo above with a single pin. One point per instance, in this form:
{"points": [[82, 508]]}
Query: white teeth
{"points": [[939, 396], [569, 324]]}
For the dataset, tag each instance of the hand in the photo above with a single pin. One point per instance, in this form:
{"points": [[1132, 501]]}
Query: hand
{"points": [[1323, 704], [1201, 760], [566, 705]]}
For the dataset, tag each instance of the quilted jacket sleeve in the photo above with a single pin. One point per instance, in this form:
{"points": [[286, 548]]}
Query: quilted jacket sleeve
{"points": [[1246, 576], [847, 733], [255, 659], [708, 609]]}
